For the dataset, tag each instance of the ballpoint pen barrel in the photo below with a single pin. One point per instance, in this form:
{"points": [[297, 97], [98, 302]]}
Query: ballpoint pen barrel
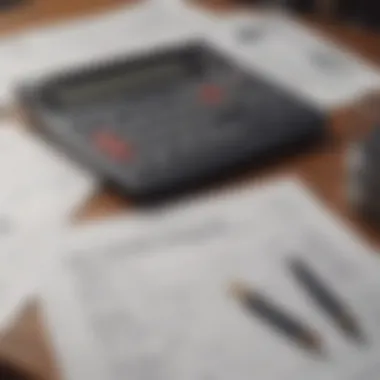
{"points": [[281, 321], [325, 298]]}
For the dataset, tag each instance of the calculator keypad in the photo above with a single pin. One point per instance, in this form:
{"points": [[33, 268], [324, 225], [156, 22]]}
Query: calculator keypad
{"points": [[186, 125], [193, 127]]}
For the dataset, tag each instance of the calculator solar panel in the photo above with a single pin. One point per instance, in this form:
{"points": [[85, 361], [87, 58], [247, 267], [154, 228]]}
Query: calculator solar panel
{"points": [[164, 120]]}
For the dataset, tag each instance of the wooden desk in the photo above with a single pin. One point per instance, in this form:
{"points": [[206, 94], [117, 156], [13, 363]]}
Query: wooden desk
{"points": [[26, 346]]}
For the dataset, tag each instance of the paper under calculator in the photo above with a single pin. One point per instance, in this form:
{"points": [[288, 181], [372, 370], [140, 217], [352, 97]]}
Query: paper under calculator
{"points": [[169, 119]]}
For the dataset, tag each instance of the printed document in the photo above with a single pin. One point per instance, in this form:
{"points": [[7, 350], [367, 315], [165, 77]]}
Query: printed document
{"points": [[306, 62], [151, 298]]}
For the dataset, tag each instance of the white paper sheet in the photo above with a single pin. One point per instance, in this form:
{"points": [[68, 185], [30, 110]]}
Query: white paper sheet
{"points": [[290, 54], [39, 186], [126, 30], [153, 302], [299, 58], [114, 34], [39, 193], [24, 264]]}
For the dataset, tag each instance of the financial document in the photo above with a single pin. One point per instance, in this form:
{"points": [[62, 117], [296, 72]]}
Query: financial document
{"points": [[151, 298]]}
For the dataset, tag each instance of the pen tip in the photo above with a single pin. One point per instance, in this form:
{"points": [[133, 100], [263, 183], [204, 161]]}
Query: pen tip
{"points": [[352, 329], [238, 289], [315, 346]]}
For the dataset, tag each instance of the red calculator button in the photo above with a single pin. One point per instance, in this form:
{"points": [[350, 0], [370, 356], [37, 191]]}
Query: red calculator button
{"points": [[112, 145], [211, 94]]}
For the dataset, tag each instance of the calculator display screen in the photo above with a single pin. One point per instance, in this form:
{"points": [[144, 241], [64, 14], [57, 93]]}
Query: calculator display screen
{"points": [[104, 86]]}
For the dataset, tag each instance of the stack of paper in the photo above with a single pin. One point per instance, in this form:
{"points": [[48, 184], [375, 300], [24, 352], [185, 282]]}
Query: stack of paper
{"points": [[152, 299]]}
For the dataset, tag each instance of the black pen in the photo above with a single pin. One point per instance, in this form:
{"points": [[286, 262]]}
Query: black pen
{"points": [[325, 298], [288, 325]]}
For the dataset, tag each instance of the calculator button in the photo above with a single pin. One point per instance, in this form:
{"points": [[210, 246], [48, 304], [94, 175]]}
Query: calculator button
{"points": [[211, 94], [112, 146]]}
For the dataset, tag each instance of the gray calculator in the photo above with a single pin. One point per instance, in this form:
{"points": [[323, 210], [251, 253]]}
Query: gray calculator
{"points": [[170, 119]]}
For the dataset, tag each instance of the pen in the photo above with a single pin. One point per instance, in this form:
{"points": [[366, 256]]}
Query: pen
{"points": [[325, 298], [267, 311]]}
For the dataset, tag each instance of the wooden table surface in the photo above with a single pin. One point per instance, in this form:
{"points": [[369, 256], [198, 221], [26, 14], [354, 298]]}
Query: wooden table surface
{"points": [[26, 347]]}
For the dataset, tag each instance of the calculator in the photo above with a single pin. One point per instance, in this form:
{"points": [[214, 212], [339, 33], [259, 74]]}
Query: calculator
{"points": [[169, 119]]}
